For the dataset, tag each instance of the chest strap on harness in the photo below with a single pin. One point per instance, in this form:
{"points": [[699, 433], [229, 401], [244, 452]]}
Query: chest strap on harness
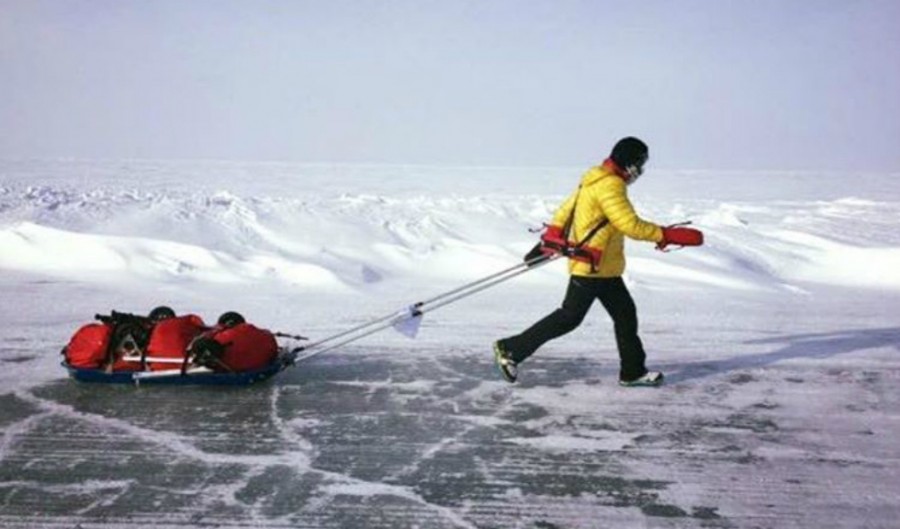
{"points": [[578, 251]]}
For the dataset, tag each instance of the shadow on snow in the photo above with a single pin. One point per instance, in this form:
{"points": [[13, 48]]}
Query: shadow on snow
{"points": [[810, 346]]}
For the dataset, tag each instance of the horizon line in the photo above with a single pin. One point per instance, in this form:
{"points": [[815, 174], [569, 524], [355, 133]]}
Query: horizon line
{"points": [[433, 165]]}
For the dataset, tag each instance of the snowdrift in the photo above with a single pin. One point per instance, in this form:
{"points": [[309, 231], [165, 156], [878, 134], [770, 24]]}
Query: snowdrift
{"points": [[339, 240]]}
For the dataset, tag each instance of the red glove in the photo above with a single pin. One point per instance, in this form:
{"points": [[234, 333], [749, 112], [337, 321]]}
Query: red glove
{"points": [[681, 236], [553, 240]]}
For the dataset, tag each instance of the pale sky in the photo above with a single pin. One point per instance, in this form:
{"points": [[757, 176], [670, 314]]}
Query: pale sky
{"points": [[708, 84]]}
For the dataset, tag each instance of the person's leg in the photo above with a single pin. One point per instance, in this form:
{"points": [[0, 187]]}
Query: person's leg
{"points": [[618, 303], [565, 319]]}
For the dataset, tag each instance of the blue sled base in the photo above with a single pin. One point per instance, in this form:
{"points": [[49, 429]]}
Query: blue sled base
{"points": [[244, 378]]}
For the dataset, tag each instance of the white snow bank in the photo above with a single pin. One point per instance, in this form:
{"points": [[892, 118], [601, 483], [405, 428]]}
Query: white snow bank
{"points": [[806, 256], [172, 222], [31, 247]]}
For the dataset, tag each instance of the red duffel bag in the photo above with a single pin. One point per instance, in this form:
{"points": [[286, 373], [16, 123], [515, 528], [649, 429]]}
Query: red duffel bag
{"points": [[171, 339], [89, 346], [245, 347]]}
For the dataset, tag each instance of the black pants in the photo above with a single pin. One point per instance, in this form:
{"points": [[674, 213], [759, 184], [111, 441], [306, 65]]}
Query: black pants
{"points": [[580, 295]]}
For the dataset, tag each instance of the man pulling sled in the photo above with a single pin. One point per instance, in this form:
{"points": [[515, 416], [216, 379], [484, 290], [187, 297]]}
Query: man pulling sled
{"points": [[589, 228]]}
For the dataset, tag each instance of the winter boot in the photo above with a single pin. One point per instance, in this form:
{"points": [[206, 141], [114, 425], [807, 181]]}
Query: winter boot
{"points": [[505, 364]]}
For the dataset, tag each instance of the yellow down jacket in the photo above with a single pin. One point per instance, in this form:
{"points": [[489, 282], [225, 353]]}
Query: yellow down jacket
{"points": [[601, 195]]}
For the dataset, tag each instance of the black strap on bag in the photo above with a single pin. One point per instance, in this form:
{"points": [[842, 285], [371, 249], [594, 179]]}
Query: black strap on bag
{"points": [[577, 249], [129, 332]]}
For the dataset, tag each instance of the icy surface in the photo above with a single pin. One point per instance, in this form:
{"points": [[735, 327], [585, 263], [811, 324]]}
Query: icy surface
{"points": [[779, 339]]}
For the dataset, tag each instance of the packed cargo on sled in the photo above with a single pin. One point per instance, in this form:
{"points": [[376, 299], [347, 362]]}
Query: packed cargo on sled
{"points": [[164, 347]]}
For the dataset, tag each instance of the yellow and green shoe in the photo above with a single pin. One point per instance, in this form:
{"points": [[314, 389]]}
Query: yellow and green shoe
{"points": [[505, 364]]}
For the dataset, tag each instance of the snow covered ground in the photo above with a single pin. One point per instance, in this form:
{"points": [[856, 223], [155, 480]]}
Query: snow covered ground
{"points": [[779, 338]]}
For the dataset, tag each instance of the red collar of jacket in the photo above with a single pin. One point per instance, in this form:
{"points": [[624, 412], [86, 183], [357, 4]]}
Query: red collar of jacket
{"points": [[614, 168]]}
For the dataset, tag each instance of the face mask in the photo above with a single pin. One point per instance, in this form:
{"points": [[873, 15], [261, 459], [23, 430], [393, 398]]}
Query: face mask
{"points": [[635, 170]]}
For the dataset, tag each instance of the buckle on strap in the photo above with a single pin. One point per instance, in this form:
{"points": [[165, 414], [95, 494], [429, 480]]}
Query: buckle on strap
{"points": [[585, 255]]}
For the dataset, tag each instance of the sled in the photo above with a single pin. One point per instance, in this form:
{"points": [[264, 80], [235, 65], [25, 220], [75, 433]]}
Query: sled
{"points": [[164, 348], [194, 376]]}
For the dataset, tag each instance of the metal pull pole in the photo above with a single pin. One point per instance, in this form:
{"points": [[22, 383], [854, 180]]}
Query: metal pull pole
{"points": [[390, 317], [523, 266], [419, 308], [432, 305]]}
